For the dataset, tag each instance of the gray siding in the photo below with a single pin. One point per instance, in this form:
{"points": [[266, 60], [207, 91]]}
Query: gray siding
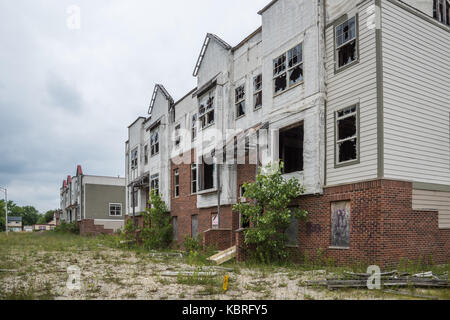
{"points": [[416, 71], [98, 198], [356, 84]]}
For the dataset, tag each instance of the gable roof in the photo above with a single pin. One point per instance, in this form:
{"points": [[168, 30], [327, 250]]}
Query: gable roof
{"points": [[69, 179], [164, 92], [208, 38]]}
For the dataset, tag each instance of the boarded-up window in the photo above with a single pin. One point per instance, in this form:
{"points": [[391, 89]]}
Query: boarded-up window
{"points": [[215, 221], [292, 232], [340, 224], [194, 226], [175, 227]]}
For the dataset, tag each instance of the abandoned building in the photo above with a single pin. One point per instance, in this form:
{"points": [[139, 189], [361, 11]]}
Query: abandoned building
{"points": [[95, 203], [352, 95]]}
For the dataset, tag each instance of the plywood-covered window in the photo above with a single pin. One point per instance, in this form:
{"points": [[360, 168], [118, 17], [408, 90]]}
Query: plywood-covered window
{"points": [[347, 136], [175, 228], [346, 42], [340, 224], [194, 225]]}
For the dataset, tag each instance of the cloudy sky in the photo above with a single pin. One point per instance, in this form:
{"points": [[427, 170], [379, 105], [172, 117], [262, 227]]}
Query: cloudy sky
{"points": [[67, 95]]}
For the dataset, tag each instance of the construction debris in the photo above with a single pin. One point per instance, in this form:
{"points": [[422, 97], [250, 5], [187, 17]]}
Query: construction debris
{"points": [[187, 274], [224, 255], [165, 254], [387, 279]]}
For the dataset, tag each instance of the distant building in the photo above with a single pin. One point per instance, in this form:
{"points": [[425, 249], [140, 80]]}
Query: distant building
{"points": [[28, 228], [96, 203], [15, 224], [43, 227]]}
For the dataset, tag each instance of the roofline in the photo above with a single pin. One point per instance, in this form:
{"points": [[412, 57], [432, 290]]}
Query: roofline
{"points": [[136, 121], [250, 36], [267, 7], [208, 38], [185, 96], [165, 93]]}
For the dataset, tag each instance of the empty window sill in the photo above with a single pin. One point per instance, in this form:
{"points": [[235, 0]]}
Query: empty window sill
{"points": [[202, 192], [338, 248]]}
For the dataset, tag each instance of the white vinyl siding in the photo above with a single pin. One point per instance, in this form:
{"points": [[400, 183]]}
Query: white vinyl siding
{"points": [[353, 85], [416, 71], [434, 200]]}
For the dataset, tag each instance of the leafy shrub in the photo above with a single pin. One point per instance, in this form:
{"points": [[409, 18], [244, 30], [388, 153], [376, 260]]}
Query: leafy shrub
{"points": [[192, 244], [65, 227], [269, 213]]}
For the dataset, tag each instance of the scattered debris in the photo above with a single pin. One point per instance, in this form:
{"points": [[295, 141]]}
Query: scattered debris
{"points": [[224, 255], [187, 274], [8, 270], [165, 254], [388, 279]]}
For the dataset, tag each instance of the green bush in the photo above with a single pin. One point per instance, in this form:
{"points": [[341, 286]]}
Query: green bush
{"points": [[193, 245], [65, 227]]}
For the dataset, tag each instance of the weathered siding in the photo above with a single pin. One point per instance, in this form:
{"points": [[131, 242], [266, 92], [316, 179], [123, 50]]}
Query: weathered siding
{"points": [[436, 200], [356, 84], [416, 71]]}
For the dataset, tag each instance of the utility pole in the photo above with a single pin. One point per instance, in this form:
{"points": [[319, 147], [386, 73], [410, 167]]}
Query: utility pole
{"points": [[6, 208]]}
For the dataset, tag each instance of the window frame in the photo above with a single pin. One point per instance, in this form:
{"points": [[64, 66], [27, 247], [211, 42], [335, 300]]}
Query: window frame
{"points": [[239, 98], [194, 166], [257, 91], [133, 158], [176, 183], [194, 120], [286, 70], [115, 204], [154, 142], [177, 136], [153, 178], [338, 164], [336, 24], [207, 102]]}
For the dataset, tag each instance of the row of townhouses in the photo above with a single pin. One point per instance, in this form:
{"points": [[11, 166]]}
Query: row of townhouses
{"points": [[95, 203], [353, 96]]}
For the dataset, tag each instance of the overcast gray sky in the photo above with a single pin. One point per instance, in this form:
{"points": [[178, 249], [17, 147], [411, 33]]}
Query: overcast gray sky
{"points": [[67, 96]]}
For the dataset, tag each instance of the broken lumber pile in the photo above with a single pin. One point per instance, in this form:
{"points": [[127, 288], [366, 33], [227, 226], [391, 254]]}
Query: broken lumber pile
{"points": [[224, 255], [387, 279]]}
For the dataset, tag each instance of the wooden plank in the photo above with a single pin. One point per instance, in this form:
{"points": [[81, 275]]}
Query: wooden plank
{"points": [[224, 255]]}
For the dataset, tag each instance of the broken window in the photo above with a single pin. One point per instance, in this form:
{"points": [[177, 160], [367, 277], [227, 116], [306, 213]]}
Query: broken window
{"points": [[441, 11], [177, 135], [340, 224], [291, 148], [257, 91], [346, 43], [347, 135], [206, 111], [134, 159], [193, 178], [194, 225], [206, 175], [194, 127], [154, 142], [176, 182], [289, 74], [240, 101], [146, 154], [295, 65], [154, 183]]}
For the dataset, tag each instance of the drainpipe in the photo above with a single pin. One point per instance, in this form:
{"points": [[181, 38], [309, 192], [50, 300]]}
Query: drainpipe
{"points": [[134, 204], [218, 193]]}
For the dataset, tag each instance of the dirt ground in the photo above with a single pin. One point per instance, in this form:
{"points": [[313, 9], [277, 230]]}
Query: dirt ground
{"points": [[34, 266]]}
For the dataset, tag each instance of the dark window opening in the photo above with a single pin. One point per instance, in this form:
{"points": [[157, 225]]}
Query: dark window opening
{"points": [[208, 176], [296, 75], [257, 89], [347, 54], [291, 148], [177, 182], [347, 134], [193, 178], [280, 83]]}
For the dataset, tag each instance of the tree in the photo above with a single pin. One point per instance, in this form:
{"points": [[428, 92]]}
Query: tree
{"points": [[269, 212], [157, 231], [30, 215]]}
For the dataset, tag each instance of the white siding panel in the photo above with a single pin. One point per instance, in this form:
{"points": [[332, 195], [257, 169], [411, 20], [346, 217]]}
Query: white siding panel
{"points": [[357, 84], [416, 72], [436, 200]]}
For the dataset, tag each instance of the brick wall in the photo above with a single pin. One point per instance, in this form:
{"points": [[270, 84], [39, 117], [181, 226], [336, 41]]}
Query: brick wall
{"points": [[87, 227], [384, 229], [221, 239]]}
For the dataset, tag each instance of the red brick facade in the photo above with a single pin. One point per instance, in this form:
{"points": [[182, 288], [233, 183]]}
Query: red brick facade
{"points": [[88, 227], [384, 229]]}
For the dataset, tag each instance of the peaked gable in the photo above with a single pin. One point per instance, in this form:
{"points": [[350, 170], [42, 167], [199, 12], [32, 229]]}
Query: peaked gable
{"points": [[159, 94], [208, 38]]}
